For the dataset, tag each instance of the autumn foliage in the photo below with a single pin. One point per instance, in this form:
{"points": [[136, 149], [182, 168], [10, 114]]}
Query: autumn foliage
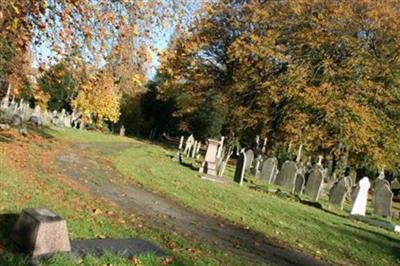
{"points": [[322, 73]]}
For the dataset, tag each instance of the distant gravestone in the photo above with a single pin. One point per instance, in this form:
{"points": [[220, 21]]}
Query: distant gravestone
{"points": [[249, 159], [41, 232], [353, 177], [240, 169], [209, 166], [382, 202], [122, 131], [268, 171], [339, 191], [287, 176], [299, 184], [361, 197], [314, 184]]}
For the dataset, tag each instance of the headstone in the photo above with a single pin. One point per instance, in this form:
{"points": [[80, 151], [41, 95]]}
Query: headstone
{"points": [[314, 184], [339, 192], [264, 147], [122, 131], [353, 177], [209, 166], [299, 184], [298, 157], [268, 170], [221, 145], [382, 202], [194, 150], [361, 197], [250, 158], [287, 176], [380, 182], [41, 232], [240, 169], [257, 171], [131, 247], [188, 146]]}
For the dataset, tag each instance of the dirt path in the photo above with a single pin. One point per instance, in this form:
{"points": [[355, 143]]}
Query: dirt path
{"points": [[101, 179]]}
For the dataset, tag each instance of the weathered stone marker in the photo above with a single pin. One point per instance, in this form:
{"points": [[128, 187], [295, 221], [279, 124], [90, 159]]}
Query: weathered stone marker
{"points": [[299, 184], [209, 166], [249, 159], [240, 169], [314, 184], [382, 202], [287, 176], [41, 232], [361, 197], [339, 191], [269, 169]]}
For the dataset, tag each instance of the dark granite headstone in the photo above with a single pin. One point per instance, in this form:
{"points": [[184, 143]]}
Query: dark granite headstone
{"points": [[287, 176], [240, 169], [314, 184], [299, 184], [268, 170], [41, 232], [339, 191], [382, 202]]}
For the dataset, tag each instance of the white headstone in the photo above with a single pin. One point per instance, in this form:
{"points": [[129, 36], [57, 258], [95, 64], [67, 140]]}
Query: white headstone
{"points": [[360, 202]]}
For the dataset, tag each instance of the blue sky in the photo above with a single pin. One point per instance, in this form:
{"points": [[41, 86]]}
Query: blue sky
{"points": [[41, 53]]}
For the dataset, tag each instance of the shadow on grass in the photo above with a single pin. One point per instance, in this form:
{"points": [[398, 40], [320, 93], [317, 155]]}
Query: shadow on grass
{"points": [[7, 221], [377, 239], [190, 166], [10, 135]]}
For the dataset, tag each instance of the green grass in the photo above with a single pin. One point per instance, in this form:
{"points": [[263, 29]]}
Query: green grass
{"points": [[30, 186], [325, 233]]}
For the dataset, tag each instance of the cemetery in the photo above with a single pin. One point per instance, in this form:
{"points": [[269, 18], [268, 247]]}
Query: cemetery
{"points": [[187, 132]]}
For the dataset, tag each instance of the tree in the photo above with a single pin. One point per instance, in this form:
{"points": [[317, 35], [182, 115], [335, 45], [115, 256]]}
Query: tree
{"points": [[98, 99], [322, 73], [59, 82]]}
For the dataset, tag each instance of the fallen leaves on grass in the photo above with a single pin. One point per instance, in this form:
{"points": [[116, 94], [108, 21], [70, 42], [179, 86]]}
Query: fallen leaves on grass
{"points": [[167, 261], [135, 261]]}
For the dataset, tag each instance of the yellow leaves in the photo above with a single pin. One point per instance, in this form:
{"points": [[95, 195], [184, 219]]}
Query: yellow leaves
{"points": [[99, 98]]}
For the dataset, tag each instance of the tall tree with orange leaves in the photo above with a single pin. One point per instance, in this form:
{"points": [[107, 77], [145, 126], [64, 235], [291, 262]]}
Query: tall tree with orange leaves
{"points": [[320, 73]]}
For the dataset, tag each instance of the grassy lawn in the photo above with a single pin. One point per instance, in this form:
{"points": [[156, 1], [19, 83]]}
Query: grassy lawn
{"points": [[324, 233], [24, 184], [319, 231]]}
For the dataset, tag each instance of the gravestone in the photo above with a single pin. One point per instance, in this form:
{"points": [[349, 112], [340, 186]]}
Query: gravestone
{"points": [[361, 197], [130, 247], [314, 184], [209, 166], [339, 192], [240, 169], [382, 202], [122, 131], [353, 177], [189, 145], [256, 170], [268, 170], [380, 182], [287, 176], [249, 159], [41, 232], [299, 184]]}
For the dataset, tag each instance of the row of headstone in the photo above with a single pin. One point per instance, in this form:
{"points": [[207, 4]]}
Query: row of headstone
{"points": [[292, 179], [21, 112], [191, 150], [192, 147]]}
